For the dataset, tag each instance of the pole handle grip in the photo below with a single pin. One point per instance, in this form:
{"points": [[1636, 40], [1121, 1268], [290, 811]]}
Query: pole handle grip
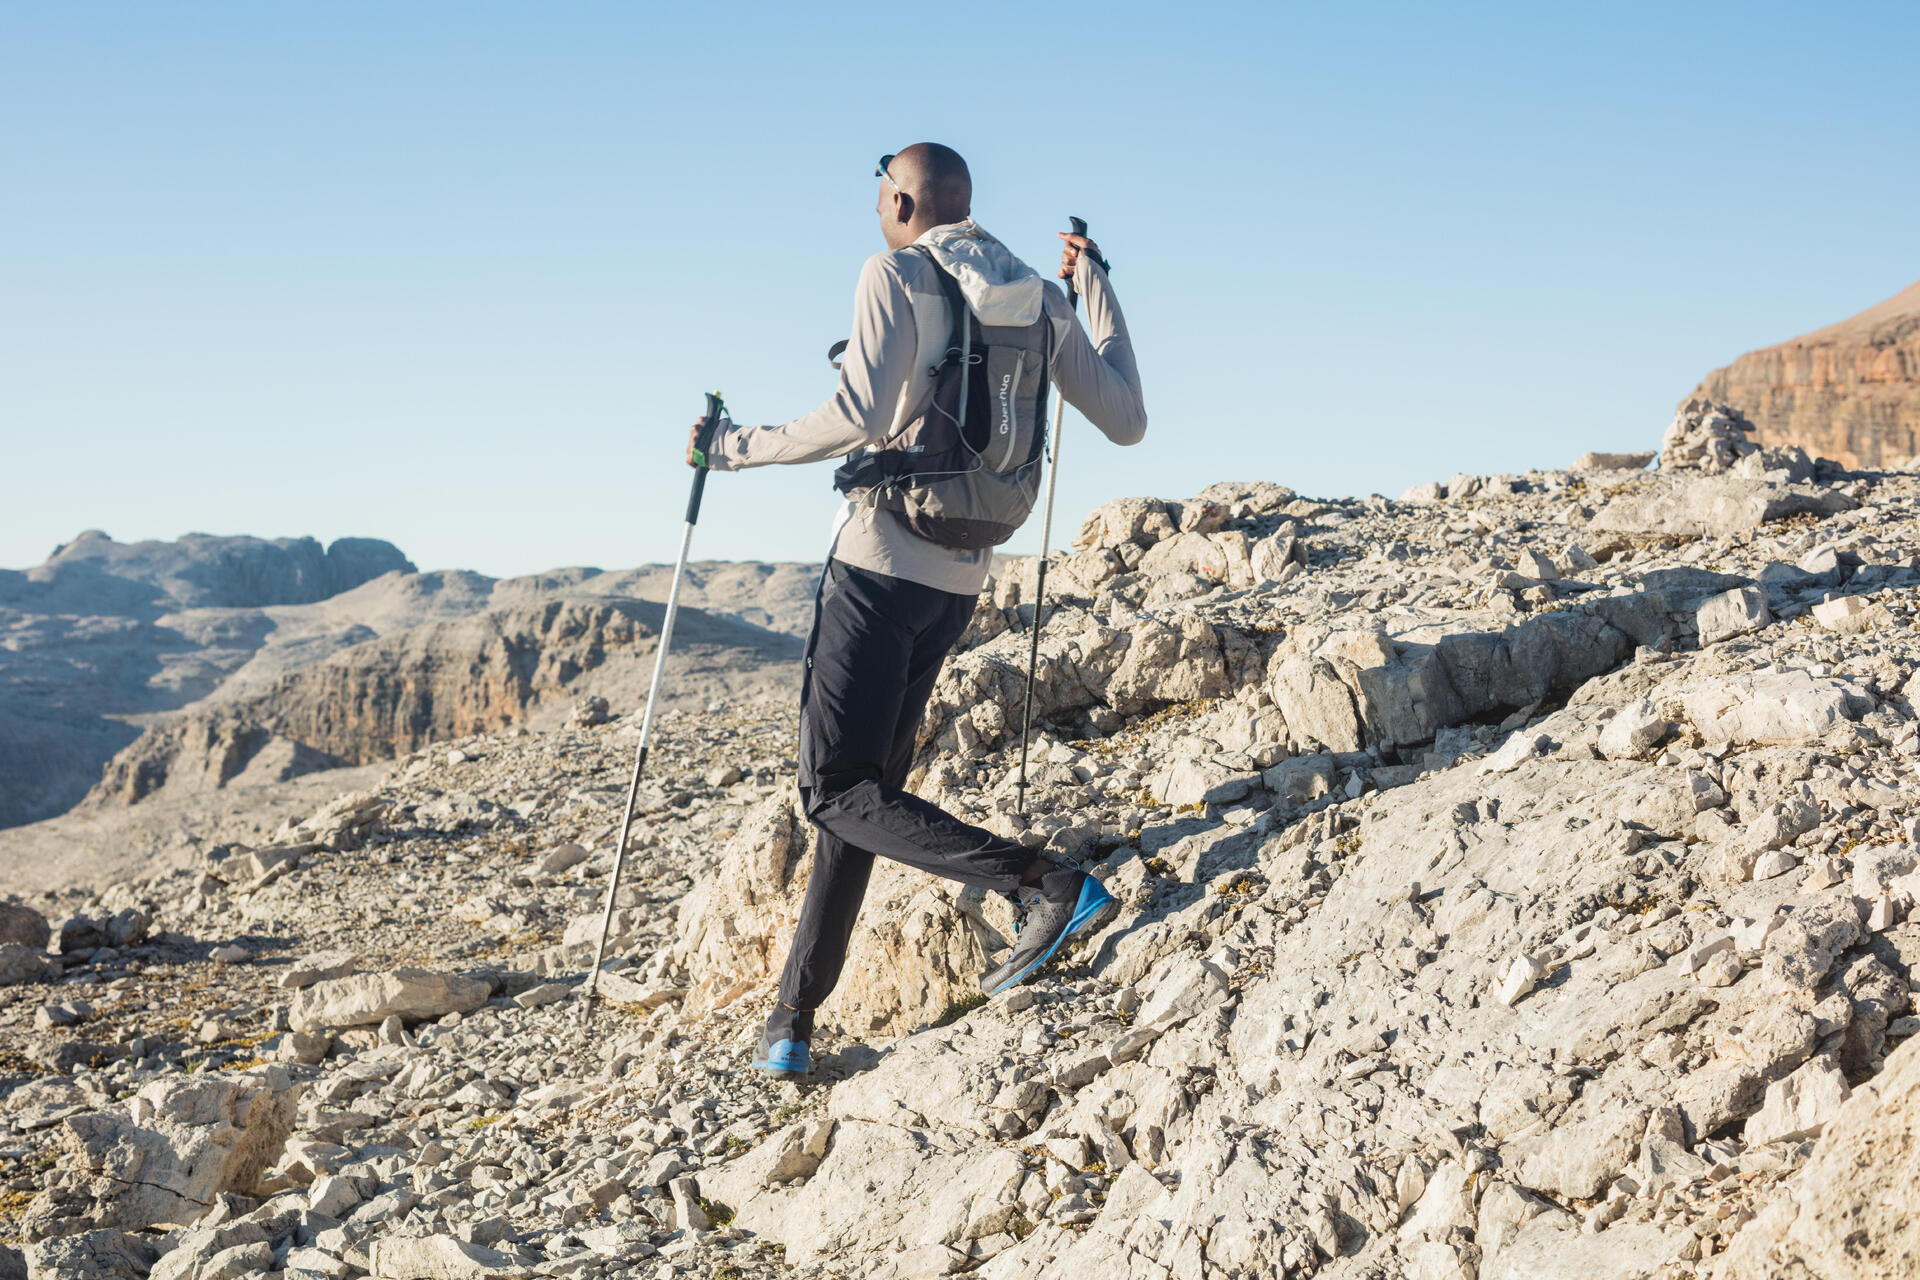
{"points": [[716, 409], [1079, 228]]}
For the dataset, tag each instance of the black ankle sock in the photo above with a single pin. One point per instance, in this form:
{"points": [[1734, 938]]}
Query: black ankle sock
{"points": [[790, 1024]]}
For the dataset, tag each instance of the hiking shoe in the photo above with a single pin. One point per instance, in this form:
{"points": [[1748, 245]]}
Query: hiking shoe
{"points": [[1064, 903], [783, 1059], [784, 1052]]}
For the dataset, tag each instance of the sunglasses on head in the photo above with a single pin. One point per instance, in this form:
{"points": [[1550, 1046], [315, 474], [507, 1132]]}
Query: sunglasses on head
{"points": [[880, 170]]}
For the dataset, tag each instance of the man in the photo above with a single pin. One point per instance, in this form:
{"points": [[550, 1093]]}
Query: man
{"points": [[892, 603]]}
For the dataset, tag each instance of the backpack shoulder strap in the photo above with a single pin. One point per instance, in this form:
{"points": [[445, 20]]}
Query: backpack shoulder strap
{"points": [[955, 299]]}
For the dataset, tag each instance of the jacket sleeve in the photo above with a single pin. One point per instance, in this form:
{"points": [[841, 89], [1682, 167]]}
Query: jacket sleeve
{"points": [[1097, 375], [877, 367]]}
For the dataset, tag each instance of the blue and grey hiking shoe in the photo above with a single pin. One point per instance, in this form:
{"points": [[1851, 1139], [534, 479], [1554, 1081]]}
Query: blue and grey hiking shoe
{"points": [[783, 1052], [783, 1059], [1064, 903]]}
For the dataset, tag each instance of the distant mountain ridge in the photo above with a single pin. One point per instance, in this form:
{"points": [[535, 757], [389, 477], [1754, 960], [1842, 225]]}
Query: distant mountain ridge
{"points": [[1850, 391], [94, 574], [204, 642]]}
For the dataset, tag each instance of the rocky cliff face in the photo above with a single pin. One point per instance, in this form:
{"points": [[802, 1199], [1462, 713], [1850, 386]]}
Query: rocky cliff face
{"points": [[444, 680], [107, 631], [107, 638], [1850, 391], [1519, 883]]}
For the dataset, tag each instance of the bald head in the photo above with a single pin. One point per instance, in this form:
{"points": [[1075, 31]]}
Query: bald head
{"points": [[926, 186]]}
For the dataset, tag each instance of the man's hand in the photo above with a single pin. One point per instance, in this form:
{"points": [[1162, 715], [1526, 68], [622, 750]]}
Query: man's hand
{"points": [[694, 457], [1070, 254]]}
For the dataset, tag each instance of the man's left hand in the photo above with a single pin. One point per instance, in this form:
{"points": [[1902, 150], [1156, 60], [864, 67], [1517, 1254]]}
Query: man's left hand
{"points": [[693, 445], [1070, 253]]}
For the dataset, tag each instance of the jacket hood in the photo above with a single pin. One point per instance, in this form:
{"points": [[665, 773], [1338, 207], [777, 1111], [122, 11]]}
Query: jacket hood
{"points": [[1001, 289]]}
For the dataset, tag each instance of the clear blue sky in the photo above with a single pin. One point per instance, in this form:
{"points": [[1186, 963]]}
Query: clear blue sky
{"points": [[456, 274]]}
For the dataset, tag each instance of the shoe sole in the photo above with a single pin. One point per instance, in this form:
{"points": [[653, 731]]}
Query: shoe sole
{"points": [[780, 1073], [1088, 917], [782, 1070]]}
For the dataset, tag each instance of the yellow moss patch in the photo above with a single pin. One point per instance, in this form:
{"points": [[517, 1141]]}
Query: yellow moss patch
{"points": [[15, 1063], [1242, 888]]}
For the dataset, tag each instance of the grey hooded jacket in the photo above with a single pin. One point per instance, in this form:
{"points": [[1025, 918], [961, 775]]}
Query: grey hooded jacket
{"points": [[901, 324]]}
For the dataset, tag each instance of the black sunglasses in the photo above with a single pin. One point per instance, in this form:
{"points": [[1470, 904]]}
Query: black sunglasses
{"points": [[880, 171]]}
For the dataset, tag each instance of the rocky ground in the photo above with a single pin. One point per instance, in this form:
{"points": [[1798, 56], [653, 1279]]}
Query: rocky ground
{"points": [[1517, 877]]}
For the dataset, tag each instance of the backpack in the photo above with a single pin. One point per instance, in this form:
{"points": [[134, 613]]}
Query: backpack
{"points": [[965, 473]]}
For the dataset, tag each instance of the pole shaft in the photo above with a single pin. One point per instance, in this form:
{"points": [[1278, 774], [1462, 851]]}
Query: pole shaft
{"points": [[1040, 581], [639, 763], [1039, 605]]}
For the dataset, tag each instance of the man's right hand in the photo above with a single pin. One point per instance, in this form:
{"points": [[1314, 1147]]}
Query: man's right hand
{"points": [[694, 458]]}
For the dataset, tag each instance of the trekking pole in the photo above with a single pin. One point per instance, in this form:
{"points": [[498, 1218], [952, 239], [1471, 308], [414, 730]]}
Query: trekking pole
{"points": [[1046, 540], [708, 425]]}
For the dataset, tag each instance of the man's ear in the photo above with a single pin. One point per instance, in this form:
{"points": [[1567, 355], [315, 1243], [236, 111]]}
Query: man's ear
{"points": [[903, 207]]}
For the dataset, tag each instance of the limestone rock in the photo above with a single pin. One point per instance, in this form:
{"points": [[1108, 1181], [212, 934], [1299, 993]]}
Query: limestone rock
{"points": [[1718, 506], [618, 988], [90, 1255], [20, 964], [1180, 660], [1183, 992], [936, 1196], [229, 1250], [1578, 1160], [1732, 613], [1879, 868], [563, 857], [1516, 751], [1772, 708], [319, 966], [590, 711], [790, 1155], [1278, 556], [1443, 1208], [1851, 615], [23, 926], [951, 1079], [1802, 949], [1800, 1105], [1137, 522], [1421, 495], [368, 999], [390, 694], [1521, 974], [439, 1258], [1634, 732], [183, 1141], [1706, 437], [1546, 1250], [1242, 498], [1612, 461], [1186, 552], [1291, 1054], [1302, 779], [1191, 782], [1846, 1213]]}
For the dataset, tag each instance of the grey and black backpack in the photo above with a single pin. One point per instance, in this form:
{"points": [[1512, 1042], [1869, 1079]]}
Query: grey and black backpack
{"points": [[965, 473]]}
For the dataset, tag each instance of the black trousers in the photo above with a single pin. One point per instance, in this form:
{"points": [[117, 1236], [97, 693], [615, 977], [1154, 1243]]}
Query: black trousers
{"points": [[872, 658]]}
